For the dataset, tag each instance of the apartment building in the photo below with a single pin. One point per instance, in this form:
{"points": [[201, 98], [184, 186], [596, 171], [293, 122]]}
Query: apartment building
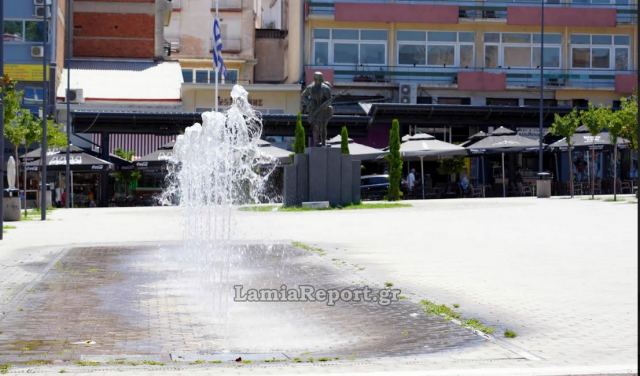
{"points": [[455, 67], [24, 52], [256, 50]]}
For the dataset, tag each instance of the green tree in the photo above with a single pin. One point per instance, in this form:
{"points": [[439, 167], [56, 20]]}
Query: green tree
{"points": [[13, 130], [615, 127], [300, 140], [344, 140], [566, 126], [127, 155], [628, 114], [395, 162], [595, 119]]}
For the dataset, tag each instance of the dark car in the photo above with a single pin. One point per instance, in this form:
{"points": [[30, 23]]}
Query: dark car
{"points": [[374, 187]]}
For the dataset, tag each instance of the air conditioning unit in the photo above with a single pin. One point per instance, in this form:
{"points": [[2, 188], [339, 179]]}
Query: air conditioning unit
{"points": [[408, 93], [37, 51], [75, 96], [38, 2], [42, 10]]}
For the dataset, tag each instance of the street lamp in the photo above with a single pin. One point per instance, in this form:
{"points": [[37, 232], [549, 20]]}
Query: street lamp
{"points": [[43, 145], [540, 136], [2, 123]]}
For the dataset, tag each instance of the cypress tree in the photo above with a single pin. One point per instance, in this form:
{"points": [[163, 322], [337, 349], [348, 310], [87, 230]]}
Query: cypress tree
{"points": [[299, 143], [344, 142], [395, 162]]}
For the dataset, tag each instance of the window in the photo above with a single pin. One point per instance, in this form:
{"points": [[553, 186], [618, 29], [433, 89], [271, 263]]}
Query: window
{"points": [[596, 51], [521, 50], [349, 47], [453, 100], [502, 102], [208, 76], [23, 31], [202, 76], [600, 2], [536, 102], [435, 48], [187, 75]]}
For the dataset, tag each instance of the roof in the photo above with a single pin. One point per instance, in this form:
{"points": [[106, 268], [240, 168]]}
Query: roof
{"points": [[124, 81]]}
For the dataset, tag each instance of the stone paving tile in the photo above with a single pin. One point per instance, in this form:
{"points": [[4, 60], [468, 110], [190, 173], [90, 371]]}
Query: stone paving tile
{"points": [[144, 301]]}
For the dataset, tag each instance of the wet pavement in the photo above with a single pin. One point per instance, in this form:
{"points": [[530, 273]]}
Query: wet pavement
{"points": [[163, 303]]}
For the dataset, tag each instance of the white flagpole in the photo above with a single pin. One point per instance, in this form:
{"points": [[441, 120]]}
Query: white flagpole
{"points": [[217, 70]]}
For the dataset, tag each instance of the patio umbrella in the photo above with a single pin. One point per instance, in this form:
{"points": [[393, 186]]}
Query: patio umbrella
{"points": [[472, 140], [425, 146], [358, 151], [583, 139], [77, 162], [35, 153], [283, 156], [157, 158], [501, 141]]}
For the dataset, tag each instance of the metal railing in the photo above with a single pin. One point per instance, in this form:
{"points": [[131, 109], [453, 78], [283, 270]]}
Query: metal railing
{"points": [[485, 9], [448, 76]]}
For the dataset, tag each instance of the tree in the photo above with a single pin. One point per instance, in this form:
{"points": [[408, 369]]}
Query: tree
{"points": [[395, 162], [628, 114], [300, 140], [566, 126], [13, 130], [127, 155], [595, 119], [344, 140], [616, 125]]}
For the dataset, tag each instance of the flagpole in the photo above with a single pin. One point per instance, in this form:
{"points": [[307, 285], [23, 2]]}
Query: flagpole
{"points": [[217, 69]]}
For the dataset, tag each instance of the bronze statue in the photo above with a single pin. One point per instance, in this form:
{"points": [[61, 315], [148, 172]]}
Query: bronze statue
{"points": [[316, 102]]}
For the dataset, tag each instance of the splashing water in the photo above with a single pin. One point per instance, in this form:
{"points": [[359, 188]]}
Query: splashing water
{"points": [[216, 165]]}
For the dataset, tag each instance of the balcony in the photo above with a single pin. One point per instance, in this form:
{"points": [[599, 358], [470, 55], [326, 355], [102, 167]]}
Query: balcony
{"points": [[486, 9], [516, 78]]}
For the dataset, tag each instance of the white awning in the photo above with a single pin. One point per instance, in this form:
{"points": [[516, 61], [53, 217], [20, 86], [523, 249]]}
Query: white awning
{"points": [[114, 81]]}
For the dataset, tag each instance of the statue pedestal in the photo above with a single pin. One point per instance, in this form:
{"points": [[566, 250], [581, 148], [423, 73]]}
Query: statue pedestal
{"points": [[11, 206], [322, 174]]}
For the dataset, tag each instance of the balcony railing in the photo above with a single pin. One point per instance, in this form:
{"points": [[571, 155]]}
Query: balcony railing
{"points": [[485, 9], [448, 76]]}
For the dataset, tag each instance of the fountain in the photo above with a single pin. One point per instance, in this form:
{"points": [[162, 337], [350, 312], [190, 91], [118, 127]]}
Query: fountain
{"points": [[216, 165]]}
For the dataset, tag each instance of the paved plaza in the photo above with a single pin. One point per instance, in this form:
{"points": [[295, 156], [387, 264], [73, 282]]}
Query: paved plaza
{"points": [[560, 273]]}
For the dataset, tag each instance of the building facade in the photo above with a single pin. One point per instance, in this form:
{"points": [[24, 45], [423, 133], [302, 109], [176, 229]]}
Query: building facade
{"points": [[24, 52], [256, 52], [481, 54]]}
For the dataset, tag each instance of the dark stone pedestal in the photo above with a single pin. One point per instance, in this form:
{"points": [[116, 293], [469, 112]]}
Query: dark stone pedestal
{"points": [[322, 174]]}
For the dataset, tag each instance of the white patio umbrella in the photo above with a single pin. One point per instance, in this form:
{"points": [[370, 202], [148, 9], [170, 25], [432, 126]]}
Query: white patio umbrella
{"points": [[281, 155], [503, 140], [425, 146], [358, 151]]}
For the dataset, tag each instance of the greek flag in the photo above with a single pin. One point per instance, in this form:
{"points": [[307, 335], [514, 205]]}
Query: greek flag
{"points": [[218, 62]]}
